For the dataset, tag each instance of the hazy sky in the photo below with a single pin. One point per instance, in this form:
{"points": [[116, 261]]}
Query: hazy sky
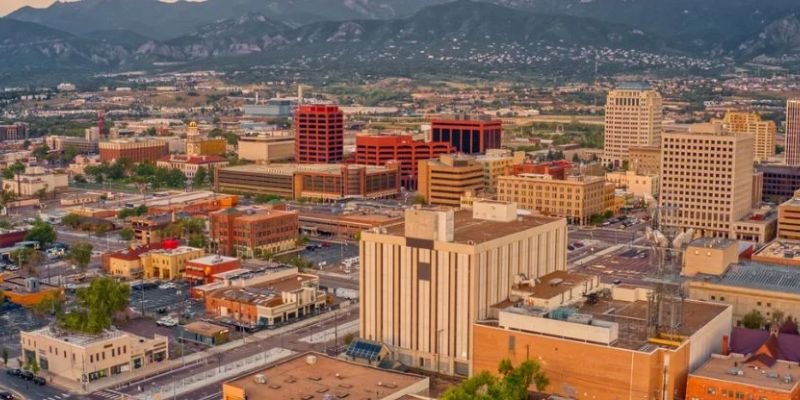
{"points": [[7, 6]]}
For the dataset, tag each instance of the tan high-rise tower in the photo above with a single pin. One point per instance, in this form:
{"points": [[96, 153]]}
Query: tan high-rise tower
{"points": [[633, 118], [706, 179], [793, 132], [751, 123]]}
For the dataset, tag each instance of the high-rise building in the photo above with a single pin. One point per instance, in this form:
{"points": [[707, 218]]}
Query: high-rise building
{"points": [[751, 123], [319, 134], [793, 132], [379, 149], [633, 118], [468, 136], [707, 179], [425, 282], [444, 181]]}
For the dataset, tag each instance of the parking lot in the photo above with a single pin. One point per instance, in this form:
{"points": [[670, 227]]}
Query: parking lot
{"points": [[156, 301], [328, 255], [12, 321], [147, 327]]}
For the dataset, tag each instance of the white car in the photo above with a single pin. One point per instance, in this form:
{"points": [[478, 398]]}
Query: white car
{"points": [[169, 322], [168, 285]]}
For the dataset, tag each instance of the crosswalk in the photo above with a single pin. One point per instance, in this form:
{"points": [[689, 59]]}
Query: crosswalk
{"points": [[110, 395], [61, 396]]}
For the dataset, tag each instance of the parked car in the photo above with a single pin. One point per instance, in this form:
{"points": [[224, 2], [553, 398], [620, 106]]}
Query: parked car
{"points": [[39, 380], [6, 396], [169, 322], [27, 375], [14, 371]]}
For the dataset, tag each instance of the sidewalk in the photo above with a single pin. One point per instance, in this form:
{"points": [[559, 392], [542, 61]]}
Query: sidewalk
{"points": [[153, 370]]}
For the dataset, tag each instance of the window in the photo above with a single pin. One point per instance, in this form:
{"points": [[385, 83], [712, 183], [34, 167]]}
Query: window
{"points": [[711, 391], [512, 343]]}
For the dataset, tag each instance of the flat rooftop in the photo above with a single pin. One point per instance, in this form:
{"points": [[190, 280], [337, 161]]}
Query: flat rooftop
{"points": [[297, 378], [76, 338], [205, 328], [213, 259], [785, 250], [291, 169], [266, 294], [755, 275], [552, 284], [631, 318], [633, 267], [783, 376], [468, 229], [712, 243]]}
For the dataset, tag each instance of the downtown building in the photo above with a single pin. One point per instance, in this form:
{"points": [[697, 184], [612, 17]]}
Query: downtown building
{"points": [[444, 181], [425, 282], [751, 124], [254, 231], [793, 133], [633, 118], [319, 134], [707, 180], [380, 149], [135, 150], [468, 136]]}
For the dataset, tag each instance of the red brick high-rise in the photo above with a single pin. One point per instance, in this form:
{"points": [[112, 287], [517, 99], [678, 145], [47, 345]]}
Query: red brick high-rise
{"points": [[378, 149], [319, 134], [468, 136]]}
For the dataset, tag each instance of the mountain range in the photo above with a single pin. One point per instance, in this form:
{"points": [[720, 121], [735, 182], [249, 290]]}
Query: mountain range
{"points": [[400, 36]]}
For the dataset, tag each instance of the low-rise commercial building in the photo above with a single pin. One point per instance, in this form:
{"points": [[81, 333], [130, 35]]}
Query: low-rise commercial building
{"points": [[443, 181], [254, 231], [576, 198], [36, 179], [201, 206], [199, 147], [589, 342], [189, 164], [168, 264], [203, 270], [789, 218], [203, 333], [149, 230], [264, 298], [306, 376], [327, 182], [495, 163], [635, 184], [135, 150], [79, 144], [126, 263], [87, 358], [265, 149], [26, 291]]}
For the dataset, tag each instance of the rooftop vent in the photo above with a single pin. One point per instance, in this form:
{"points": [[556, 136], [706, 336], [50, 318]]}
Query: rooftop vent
{"points": [[311, 360], [260, 379]]}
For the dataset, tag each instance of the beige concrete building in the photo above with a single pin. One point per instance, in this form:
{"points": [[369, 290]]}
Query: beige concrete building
{"points": [[34, 179], [425, 282], [494, 164], [706, 180], [710, 256], [576, 198], [85, 358], [645, 160], [266, 148], [633, 118], [789, 218], [168, 264], [751, 124], [633, 183], [444, 181]]}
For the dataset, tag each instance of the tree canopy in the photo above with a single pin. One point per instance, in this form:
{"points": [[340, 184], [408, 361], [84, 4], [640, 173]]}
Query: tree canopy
{"points": [[41, 232], [512, 384], [81, 255], [96, 305]]}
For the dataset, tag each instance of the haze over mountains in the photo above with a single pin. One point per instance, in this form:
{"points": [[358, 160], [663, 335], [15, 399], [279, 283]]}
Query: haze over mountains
{"points": [[114, 34]]}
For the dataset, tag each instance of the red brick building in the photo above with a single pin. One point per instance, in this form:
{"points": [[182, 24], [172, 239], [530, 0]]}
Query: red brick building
{"points": [[253, 231], [134, 150], [202, 270], [319, 134], [379, 149], [556, 169], [468, 136]]}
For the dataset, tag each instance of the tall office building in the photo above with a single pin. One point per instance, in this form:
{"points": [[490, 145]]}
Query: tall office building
{"points": [[707, 180], [793, 132], [380, 149], [633, 118], [425, 282], [443, 181], [319, 134], [468, 136], [751, 123]]}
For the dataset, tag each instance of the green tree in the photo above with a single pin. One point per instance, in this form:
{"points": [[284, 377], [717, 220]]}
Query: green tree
{"points": [[126, 234], [200, 177], [78, 178], [33, 366], [13, 169], [41, 194], [7, 197], [26, 144], [81, 255], [40, 152], [41, 232], [96, 305], [69, 154], [420, 199], [301, 241], [754, 320], [51, 304], [198, 240], [4, 354], [72, 220], [512, 384]]}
